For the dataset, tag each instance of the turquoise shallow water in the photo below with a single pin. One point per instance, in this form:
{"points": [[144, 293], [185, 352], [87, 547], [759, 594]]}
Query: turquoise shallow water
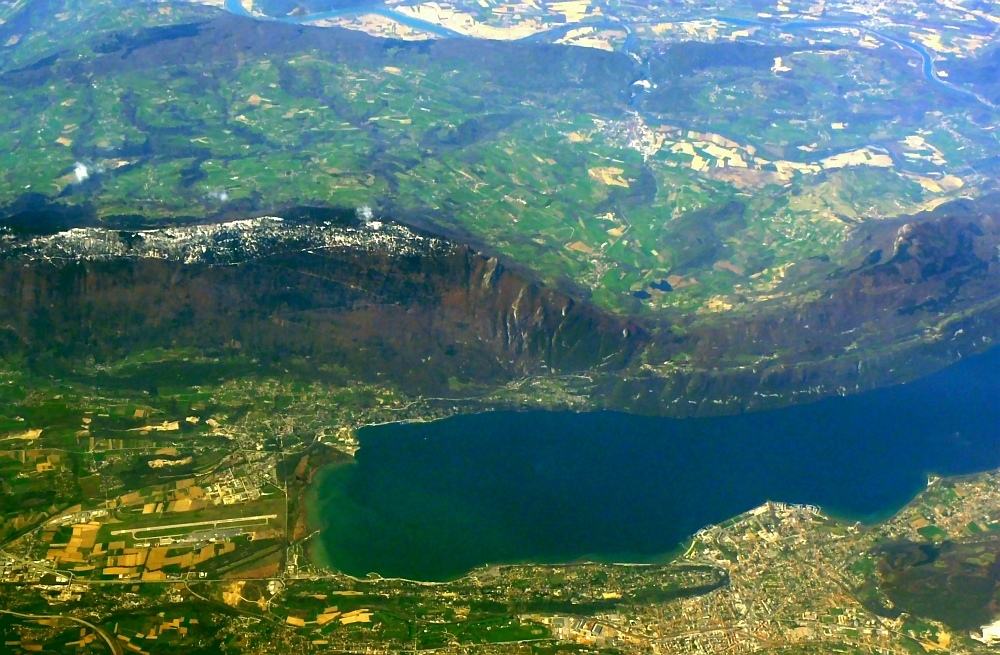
{"points": [[431, 501]]}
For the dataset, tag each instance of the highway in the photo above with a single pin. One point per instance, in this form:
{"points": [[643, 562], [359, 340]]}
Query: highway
{"points": [[109, 641]]}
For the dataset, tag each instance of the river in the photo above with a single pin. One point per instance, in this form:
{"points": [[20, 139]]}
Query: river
{"points": [[928, 69], [431, 501]]}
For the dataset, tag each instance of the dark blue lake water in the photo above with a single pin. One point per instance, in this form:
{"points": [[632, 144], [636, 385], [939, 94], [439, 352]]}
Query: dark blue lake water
{"points": [[431, 501]]}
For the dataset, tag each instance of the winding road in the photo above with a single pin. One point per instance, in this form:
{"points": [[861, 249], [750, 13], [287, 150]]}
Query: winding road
{"points": [[113, 646]]}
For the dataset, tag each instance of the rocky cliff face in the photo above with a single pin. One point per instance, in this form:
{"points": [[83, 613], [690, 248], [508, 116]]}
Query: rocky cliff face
{"points": [[380, 301], [905, 298]]}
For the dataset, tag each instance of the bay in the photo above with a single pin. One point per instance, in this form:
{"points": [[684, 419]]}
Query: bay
{"points": [[430, 501]]}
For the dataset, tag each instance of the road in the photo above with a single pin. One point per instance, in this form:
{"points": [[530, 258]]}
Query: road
{"points": [[111, 643]]}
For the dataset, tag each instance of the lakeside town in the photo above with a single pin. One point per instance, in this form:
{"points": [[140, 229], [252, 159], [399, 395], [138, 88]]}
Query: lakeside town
{"points": [[158, 494], [222, 551]]}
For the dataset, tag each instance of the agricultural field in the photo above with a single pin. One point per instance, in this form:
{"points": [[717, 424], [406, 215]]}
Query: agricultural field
{"points": [[234, 233], [695, 189]]}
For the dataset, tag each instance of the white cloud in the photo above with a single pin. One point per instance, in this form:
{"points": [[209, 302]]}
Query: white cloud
{"points": [[81, 172]]}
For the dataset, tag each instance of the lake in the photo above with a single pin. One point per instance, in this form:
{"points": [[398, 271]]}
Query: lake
{"points": [[430, 501]]}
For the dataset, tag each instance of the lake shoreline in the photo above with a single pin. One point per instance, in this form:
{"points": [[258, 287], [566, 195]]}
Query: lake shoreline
{"points": [[435, 500], [319, 558]]}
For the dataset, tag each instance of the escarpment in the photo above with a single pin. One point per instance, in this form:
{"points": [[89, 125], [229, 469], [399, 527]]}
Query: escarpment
{"points": [[418, 315], [376, 301]]}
